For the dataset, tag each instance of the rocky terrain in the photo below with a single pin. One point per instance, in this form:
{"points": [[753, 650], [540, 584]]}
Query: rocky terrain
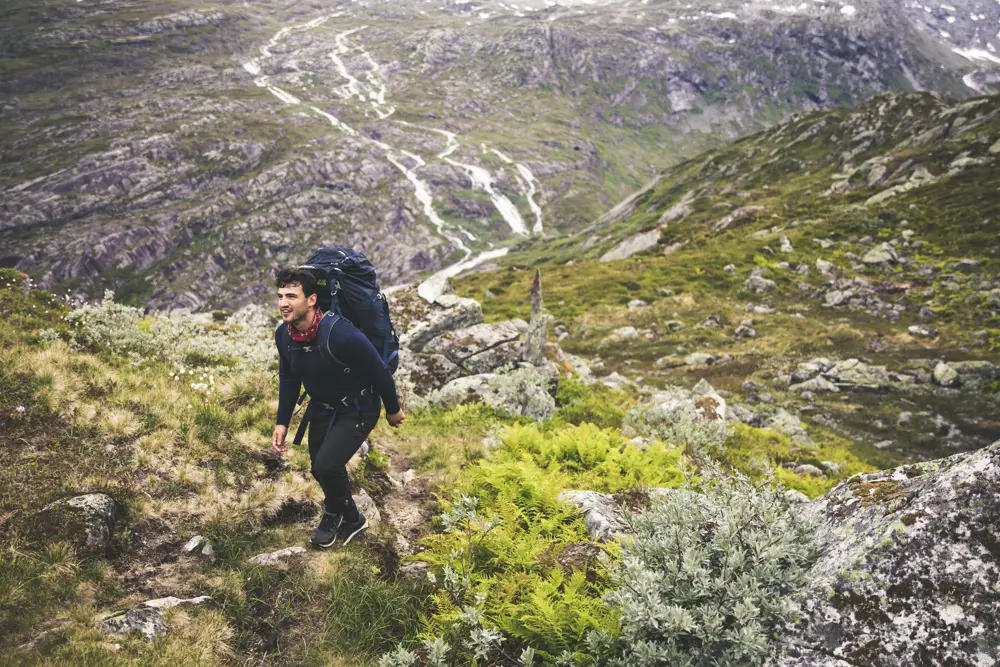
{"points": [[179, 153]]}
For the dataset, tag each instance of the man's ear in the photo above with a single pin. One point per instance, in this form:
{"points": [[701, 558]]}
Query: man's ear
{"points": [[312, 300]]}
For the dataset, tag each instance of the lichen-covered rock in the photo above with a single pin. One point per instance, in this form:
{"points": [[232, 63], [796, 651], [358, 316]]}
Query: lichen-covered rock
{"points": [[481, 348], [423, 373], [274, 557], [367, 506], [87, 521], [601, 514], [448, 313], [908, 572], [526, 391], [147, 619]]}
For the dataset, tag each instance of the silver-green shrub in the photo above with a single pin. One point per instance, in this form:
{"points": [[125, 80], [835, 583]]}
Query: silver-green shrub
{"points": [[707, 577], [673, 418], [523, 391]]}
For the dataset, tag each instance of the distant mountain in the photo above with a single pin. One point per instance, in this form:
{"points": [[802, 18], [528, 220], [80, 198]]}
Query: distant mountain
{"points": [[178, 155]]}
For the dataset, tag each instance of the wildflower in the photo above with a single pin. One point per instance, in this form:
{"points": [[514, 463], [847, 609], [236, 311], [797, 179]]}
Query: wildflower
{"points": [[19, 409]]}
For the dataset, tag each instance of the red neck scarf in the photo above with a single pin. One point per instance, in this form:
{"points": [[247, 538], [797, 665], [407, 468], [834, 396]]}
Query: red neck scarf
{"points": [[311, 333]]}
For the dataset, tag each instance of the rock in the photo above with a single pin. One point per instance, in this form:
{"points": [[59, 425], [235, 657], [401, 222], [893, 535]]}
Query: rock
{"points": [[447, 314], [921, 331], [533, 351], [632, 245], [86, 521], [408, 477], [808, 469], [814, 385], [703, 387], [253, 316], [147, 619], [481, 348], [367, 506], [423, 373], [522, 392], [882, 254], [980, 370], [674, 325], [273, 557], [699, 359], [193, 544], [824, 267], [736, 216], [471, 389], [760, 285], [417, 570], [729, 268], [830, 467], [788, 424], [995, 148], [855, 375], [625, 333], [601, 514], [786, 245], [945, 375], [750, 387], [796, 497], [636, 303], [907, 569], [746, 330]]}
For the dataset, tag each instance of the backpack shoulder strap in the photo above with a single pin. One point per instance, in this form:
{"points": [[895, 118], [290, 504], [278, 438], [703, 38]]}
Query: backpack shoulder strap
{"points": [[330, 320], [281, 340]]}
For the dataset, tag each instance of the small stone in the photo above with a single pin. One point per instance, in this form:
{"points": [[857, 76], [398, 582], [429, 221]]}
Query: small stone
{"points": [[408, 477], [674, 325], [746, 330], [367, 507], [703, 388], [626, 333], [824, 267], [193, 544], [729, 268], [786, 245], [882, 254], [760, 285], [808, 469], [921, 331], [699, 359], [945, 375], [637, 303], [831, 467], [904, 418], [273, 557], [885, 444]]}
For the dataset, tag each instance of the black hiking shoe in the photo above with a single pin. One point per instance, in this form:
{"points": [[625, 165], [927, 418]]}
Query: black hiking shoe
{"points": [[324, 536], [351, 529]]}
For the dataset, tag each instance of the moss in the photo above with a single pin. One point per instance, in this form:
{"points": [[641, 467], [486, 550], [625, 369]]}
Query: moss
{"points": [[877, 493]]}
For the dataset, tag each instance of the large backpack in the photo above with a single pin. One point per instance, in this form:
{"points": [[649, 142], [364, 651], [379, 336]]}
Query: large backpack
{"points": [[347, 285]]}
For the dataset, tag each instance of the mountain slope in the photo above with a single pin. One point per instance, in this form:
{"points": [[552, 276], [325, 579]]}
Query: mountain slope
{"points": [[866, 234], [179, 154]]}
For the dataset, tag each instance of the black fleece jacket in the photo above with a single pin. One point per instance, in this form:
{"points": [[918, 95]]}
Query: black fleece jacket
{"points": [[352, 387]]}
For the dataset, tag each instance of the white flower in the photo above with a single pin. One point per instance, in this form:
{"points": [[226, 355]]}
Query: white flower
{"points": [[19, 409]]}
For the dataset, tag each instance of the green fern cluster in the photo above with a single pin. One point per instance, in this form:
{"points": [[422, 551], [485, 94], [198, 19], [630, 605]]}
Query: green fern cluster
{"points": [[513, 557]]}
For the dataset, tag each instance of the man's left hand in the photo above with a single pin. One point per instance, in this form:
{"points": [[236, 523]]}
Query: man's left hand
{"points": [[396, 419]]}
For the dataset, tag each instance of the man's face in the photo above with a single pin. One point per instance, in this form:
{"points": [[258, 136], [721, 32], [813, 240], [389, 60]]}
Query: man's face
{"points": [[293, 304]]}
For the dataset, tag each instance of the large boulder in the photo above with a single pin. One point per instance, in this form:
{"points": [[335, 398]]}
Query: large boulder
{"points": [[526, 391], [448, 313], [481, 348], [423, 373], [632, 245], [908, 569], [86, 521]]}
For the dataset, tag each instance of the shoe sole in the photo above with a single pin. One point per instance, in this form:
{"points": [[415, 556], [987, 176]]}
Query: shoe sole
{"points": [[363, 527], [327, 545]]}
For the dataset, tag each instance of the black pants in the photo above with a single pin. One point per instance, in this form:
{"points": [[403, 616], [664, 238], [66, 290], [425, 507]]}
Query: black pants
{"points": [[334, 437]]}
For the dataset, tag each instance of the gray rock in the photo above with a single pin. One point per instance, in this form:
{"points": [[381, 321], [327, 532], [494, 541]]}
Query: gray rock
{"points": [[447, 314], [674, 325], [368, 507], [814, 385], [824, 267], [423, 373], [945, 375], [273, 557], [637, 303], [601, 514], [982, 370], [808, 469], [147, 619], [699, 359], [882, 254], [481, 348], [907, 569], [921, 331], [760, 285], [632, 245], [746, 330], [86, 521], [786, 245], [703, 388], [626, 333]]}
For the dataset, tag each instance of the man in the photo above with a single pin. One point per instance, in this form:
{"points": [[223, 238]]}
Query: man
{"points": [[347, 385]]}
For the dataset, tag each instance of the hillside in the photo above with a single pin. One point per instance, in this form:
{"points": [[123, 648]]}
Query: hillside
{"points": [[866, 234], [177, 153]]}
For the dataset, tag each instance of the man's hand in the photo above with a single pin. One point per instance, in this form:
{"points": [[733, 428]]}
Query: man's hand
{"points": [[396, 419], [278, 439]]}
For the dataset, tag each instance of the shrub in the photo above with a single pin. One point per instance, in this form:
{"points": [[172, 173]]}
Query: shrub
{"points": [[595, 404], [707, 578], [516, 566], [674, 419], [523, 391]]}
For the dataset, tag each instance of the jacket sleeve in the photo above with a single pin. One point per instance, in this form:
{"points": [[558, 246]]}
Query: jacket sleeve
{"points": [[288, 387], [353, 348]]}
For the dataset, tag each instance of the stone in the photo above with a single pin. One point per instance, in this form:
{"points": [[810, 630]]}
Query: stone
{"points": [[194, 543], [448, 313], [86, 521], [632, 245], [746, 330], [367, 506], [760, 285], [147, 619], [534, 341], [808, 469], [703, 387], [816, 384], [636, 303], [921, 331], [945, 375], [522, 392], [422, 373], [699, 359], [824, 267], [417, 570], [481, 348], [981, 370], [470, 389], [274, 557], [786, 245], [750, 387], [674, 325], [995, 148], [882, 254], [830, 467], [729, 268], [602, 516], [626, 333], [907, 569]]}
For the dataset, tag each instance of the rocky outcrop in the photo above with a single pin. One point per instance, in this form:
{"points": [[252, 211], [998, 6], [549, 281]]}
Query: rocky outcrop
{"points": [[601, 514], [147, 619], [86, 521], [481, 348], [908, 571]]}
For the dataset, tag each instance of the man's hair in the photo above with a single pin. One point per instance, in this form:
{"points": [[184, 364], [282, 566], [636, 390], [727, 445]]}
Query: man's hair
{"points": [[297, 276]]}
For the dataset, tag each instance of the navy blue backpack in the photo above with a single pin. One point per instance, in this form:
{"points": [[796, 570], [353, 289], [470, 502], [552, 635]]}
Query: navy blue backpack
{"points": [[347, 285]]}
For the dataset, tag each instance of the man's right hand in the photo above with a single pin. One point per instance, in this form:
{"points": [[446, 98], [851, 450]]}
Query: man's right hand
{"points": [[278, 439]]}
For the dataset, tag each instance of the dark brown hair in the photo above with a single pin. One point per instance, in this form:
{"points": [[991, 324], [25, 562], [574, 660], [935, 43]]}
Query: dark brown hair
{"points": [[297, 276]]}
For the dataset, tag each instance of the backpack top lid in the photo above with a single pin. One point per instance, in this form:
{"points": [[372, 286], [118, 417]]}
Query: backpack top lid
{"points": [[334, 265]]}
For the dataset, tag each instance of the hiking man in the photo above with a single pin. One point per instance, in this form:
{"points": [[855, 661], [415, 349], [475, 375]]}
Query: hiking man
{"points": [[346, 397]]}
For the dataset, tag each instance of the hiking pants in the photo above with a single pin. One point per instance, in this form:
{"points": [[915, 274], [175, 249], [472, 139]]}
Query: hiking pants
{"points": [[334, 437]]}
